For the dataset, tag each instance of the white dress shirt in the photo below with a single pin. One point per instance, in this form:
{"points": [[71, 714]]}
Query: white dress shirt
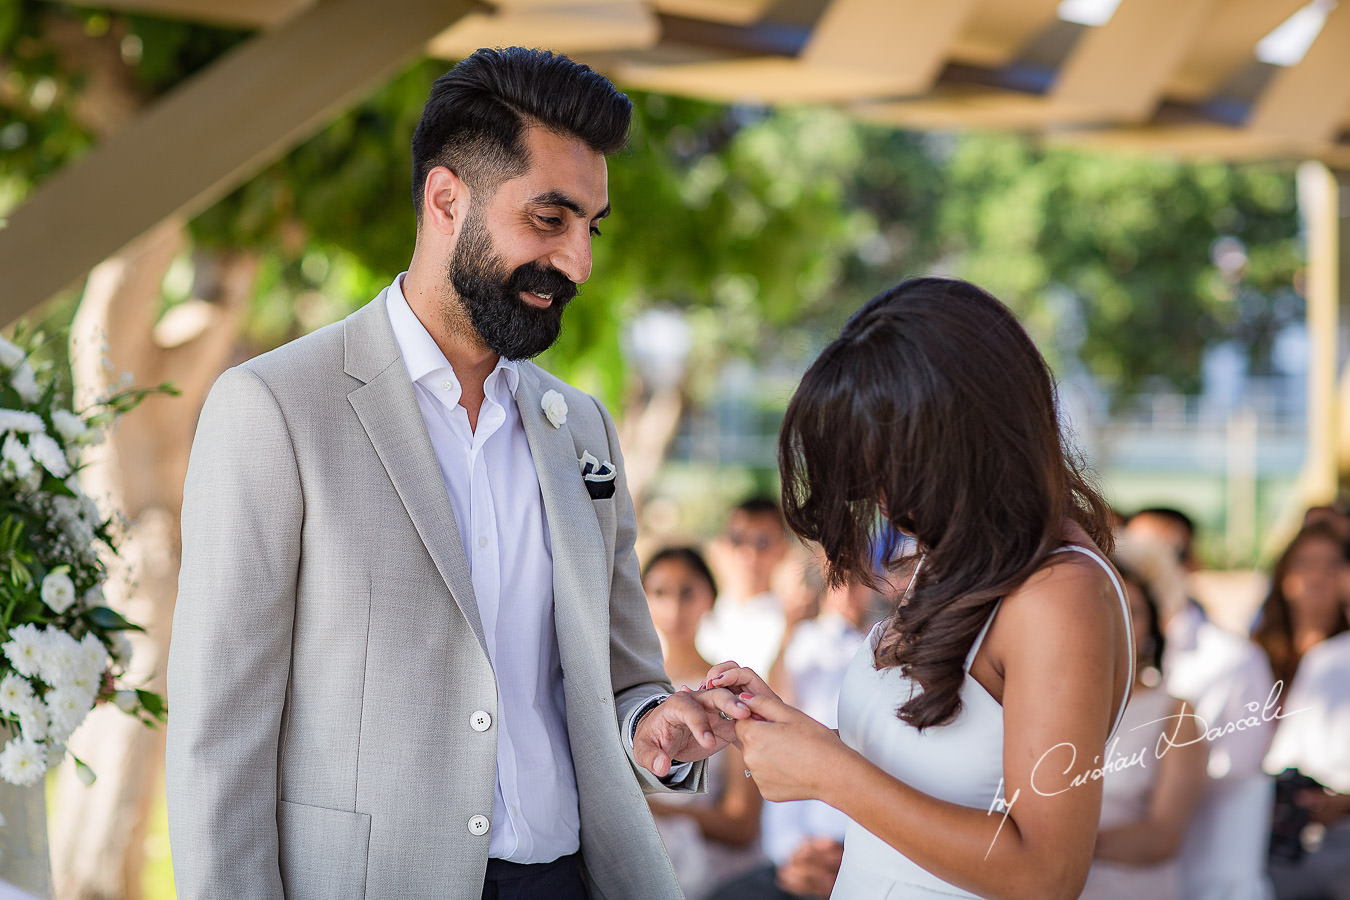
{"points": [[494, 490]]}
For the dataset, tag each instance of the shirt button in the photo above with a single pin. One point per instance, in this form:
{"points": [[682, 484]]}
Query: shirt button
{"points": [[447, 384], [478, 825], [482, 541], [480, 721]]}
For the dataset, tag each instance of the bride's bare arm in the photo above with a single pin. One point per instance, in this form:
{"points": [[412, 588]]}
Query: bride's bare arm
{"points": [[1059, 644]]}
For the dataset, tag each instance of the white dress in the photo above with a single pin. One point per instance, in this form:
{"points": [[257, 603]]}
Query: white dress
{"points": [[960, 762]]}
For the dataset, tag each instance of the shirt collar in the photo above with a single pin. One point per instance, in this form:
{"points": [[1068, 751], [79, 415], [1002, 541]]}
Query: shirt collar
{"points": [[421, 355]]}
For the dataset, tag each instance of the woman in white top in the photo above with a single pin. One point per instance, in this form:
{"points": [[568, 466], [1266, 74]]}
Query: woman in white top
{"points": [[714, 836], [1156, 761], [971, 718]]}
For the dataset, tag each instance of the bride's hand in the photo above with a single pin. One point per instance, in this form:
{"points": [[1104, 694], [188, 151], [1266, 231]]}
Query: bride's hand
{"points": [[738, 679], [786, 751]]}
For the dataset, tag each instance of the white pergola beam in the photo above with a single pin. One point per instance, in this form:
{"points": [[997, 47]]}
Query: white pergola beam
{"points": [[208, 136]]}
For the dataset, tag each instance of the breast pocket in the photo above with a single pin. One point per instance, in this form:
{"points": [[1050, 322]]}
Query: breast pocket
{"points": [[323, 851], [606, 516]]}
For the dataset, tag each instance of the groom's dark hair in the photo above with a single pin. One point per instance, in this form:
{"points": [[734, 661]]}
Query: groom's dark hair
{"points": [[474, 121]]}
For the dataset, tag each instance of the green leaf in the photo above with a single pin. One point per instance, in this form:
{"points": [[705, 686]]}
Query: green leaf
{"points": [[109, 619], [154, 704]]}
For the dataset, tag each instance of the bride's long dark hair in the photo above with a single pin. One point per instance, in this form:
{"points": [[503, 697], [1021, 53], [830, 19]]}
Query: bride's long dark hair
{"points": [[934, 413]]}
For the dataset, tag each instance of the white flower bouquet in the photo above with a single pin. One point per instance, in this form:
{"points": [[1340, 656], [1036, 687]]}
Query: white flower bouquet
{"points": [[63, 649]]}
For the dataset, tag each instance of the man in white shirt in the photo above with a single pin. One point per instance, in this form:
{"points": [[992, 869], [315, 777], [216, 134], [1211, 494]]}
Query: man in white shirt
{"points": [[746, 623], [411, 655]]}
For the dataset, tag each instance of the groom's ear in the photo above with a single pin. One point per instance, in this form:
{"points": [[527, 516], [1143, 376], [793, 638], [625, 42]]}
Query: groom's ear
{"points": [[445, 201]]}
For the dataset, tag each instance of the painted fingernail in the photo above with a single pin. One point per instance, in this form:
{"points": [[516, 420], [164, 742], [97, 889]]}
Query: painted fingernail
{"points": [[746, 695]]}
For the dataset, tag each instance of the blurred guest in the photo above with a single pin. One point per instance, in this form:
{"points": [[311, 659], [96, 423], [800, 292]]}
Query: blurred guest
{"points": [[805, 838], [1310, 851], [1224, 677], [1333, 515], [1156, 764], [746, 623], [714, 836], [1168, 527], [1304, 606]]}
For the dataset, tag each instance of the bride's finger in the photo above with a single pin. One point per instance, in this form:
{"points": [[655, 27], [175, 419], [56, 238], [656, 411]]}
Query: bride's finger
{"points": [[769, 708], [719, 669], [741, 679]]}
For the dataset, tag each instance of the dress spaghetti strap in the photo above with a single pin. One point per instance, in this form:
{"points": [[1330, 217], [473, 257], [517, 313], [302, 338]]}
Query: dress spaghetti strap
{"points": [[1124, 611]]}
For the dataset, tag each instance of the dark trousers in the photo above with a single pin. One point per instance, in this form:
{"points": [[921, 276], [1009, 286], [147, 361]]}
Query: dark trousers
{"points": [[557, 880]]}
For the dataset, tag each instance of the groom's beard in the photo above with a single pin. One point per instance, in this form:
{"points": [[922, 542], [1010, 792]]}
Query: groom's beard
{"points": [[508, 325]]}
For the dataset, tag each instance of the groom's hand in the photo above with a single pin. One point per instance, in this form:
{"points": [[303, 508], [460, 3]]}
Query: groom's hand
{"points": [[687, 726]]}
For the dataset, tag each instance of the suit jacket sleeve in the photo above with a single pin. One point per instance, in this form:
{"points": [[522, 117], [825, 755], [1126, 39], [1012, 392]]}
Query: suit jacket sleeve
{"points": [[230, 654], [636, 668]]}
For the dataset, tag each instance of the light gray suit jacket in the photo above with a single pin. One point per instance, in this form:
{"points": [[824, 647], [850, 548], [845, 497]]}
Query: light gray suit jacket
{"points": [[327, 651]]}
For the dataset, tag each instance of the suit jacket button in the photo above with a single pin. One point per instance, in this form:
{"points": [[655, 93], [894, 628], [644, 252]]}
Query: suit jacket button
{"points": [[480, 721], [478, 825]]}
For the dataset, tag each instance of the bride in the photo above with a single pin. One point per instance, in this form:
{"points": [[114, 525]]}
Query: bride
{"points": [[974, 721]]}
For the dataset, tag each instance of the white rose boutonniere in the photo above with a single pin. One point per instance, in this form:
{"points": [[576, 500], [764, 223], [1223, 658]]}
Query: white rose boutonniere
{"points": [[555, 408]]}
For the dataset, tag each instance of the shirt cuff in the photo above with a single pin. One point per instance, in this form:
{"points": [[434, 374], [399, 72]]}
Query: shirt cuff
{"points": [[678, 770]]}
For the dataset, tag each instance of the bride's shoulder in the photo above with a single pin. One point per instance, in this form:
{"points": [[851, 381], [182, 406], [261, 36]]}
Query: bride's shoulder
{"points": [[1072, 596]]}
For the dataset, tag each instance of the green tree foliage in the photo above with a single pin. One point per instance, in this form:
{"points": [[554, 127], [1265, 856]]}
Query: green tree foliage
{"points": [[1109, 258]]}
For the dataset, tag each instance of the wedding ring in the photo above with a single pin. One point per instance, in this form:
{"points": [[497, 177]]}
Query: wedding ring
{"points": [[725, 716]]}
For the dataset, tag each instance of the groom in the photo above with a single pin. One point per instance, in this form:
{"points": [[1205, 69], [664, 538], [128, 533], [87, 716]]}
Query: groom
{"points": [[411, 656]]}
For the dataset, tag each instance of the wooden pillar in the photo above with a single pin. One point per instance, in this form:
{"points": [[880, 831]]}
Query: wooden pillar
{"points": [[1319, 199]]}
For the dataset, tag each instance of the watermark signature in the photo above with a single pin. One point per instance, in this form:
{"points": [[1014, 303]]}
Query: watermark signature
{"points": [[1258, 715]]}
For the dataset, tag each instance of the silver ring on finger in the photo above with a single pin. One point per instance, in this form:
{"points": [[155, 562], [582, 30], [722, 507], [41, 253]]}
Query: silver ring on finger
{"points": [[725, 716]]}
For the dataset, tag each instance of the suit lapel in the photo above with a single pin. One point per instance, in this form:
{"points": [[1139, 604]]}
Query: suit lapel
{"points": [[387, 409], [580, 604]]}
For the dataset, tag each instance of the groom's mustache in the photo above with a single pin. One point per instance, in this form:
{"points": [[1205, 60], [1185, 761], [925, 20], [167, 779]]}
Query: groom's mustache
{"points": [[537, 279]]}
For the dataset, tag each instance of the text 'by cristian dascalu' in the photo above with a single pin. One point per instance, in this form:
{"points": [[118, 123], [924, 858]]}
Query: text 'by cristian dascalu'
{"points": [[1259, 714]]}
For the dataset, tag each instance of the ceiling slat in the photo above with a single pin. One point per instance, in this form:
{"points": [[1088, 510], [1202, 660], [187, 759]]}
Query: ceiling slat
{"points": [[1309, 101], [579, 28], [1226, 44], [1121, 68], [906, 41], [997, 30]]}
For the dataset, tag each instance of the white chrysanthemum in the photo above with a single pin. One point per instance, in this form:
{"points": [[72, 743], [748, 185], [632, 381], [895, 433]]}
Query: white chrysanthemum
{"points": [[126, 701], [15, 463], [10, 355], [58, 591], [93, 655], [24, 650], [68, 425], [44, 449], [60, 657], [35, 722], [67, 705], [22, 762], [16, 694], [21, 421], [24, 381]]}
